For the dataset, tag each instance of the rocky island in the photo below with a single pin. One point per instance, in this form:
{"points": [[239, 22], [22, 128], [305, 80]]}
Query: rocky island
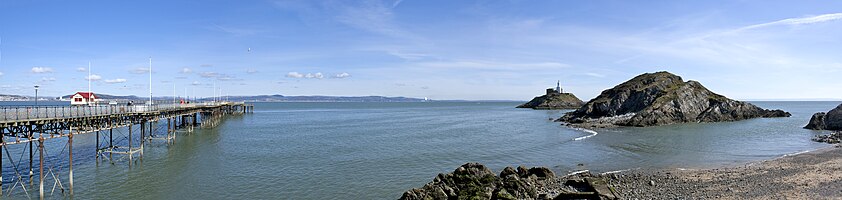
{"points": [[554, 99], [662, 98]]}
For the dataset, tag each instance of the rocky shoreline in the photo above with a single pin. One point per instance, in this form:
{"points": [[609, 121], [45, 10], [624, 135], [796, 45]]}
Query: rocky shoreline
{"points": [[832, 138], [810, 175]]}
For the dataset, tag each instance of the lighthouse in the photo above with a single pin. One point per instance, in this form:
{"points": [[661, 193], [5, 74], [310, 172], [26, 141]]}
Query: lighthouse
{"points": [[555, 91]]}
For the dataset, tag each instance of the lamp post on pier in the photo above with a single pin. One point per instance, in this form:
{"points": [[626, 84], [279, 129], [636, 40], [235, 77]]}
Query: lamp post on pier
{"points": [[36, 101], [36, 96]]}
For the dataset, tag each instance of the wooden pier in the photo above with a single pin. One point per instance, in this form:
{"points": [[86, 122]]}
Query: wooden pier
{"points": [[28, 125]]}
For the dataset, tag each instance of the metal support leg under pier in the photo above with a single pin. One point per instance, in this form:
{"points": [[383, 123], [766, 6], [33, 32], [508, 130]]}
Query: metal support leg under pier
{"points": [[41, 167], [30, 158], [2, 141], [70, 156], [130, 145], [97, 145], [111, 142]]}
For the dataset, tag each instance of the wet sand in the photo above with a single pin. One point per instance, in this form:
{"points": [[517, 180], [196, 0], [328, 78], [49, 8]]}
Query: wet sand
{"points": [[811, 175]]}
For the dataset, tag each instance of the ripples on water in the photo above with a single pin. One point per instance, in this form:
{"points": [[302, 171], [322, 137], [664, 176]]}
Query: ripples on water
{"points": [[379, 150]]}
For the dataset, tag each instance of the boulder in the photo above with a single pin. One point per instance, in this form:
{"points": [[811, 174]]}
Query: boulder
{"points": [[662, 98], [475, 181], [541, 172], [469, 180], [832, 138], [816, 122], [832, 120]]}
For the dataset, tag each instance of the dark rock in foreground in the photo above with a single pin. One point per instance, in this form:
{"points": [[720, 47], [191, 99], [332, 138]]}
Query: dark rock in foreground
{"points": [[661, 98], [475, 181], [831, 120], [554, 101]]}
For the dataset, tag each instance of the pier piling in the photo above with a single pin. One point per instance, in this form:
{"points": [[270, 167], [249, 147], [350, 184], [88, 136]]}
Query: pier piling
{"points": [[70, 157], [41, 167]]}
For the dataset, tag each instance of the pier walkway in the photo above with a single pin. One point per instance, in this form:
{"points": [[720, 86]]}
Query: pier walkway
{"points": [[27, 125]]}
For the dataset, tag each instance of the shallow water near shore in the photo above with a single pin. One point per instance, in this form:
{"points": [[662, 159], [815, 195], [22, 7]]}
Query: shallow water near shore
{"points": [[379, 150]]}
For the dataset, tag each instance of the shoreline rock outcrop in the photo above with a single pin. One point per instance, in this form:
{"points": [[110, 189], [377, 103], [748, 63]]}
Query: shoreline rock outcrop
{"points": [[554, 101], [832, 138], [832, 120], [475, 181], [662, 98]]}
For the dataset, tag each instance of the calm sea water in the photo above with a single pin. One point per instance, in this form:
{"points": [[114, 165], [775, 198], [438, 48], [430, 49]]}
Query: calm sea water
{"points": [[379, 150]]}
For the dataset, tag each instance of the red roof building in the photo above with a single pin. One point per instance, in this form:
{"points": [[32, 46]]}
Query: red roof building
{"points": [[83, 98]]}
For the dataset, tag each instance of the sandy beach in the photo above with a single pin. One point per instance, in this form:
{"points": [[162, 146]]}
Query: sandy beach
{"points": [[812, 175]]}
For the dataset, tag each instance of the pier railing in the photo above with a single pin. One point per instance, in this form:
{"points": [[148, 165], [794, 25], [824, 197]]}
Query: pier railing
{"points": [[16, 113]]}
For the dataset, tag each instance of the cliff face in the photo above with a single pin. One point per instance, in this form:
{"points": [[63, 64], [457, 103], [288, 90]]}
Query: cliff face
{"points": [[554, 101], [832, 120], [662, 98]]}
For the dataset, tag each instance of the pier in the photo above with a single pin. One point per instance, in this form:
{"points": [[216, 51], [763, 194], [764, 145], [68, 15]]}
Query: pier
{"points": [[138, 124]]}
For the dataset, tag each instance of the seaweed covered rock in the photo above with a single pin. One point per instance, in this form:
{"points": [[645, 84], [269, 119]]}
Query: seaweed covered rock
{"points": [[475, 181], [553, 101], [661, 98], [832, 138], [832, 120]]}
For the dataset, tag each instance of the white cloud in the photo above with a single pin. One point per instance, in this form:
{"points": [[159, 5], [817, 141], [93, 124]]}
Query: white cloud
{"points": [[140, 70], [342, 75], [195, 83], [1, 73], [237, 31], [41, 70], [251, 71], [398, 2], [48, 79], [408, 56], [93, 77], [112, 81], [295, 75], [317, 75], [797, 21], [186, 70], [595, 75], [375, 17], [81, 69]]}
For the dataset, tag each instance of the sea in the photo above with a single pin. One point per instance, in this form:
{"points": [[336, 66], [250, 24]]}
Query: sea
{"points": [[380, 150]]}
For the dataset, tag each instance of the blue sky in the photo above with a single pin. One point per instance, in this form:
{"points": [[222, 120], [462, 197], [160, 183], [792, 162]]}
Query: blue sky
{"points": [[438, 49]]}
